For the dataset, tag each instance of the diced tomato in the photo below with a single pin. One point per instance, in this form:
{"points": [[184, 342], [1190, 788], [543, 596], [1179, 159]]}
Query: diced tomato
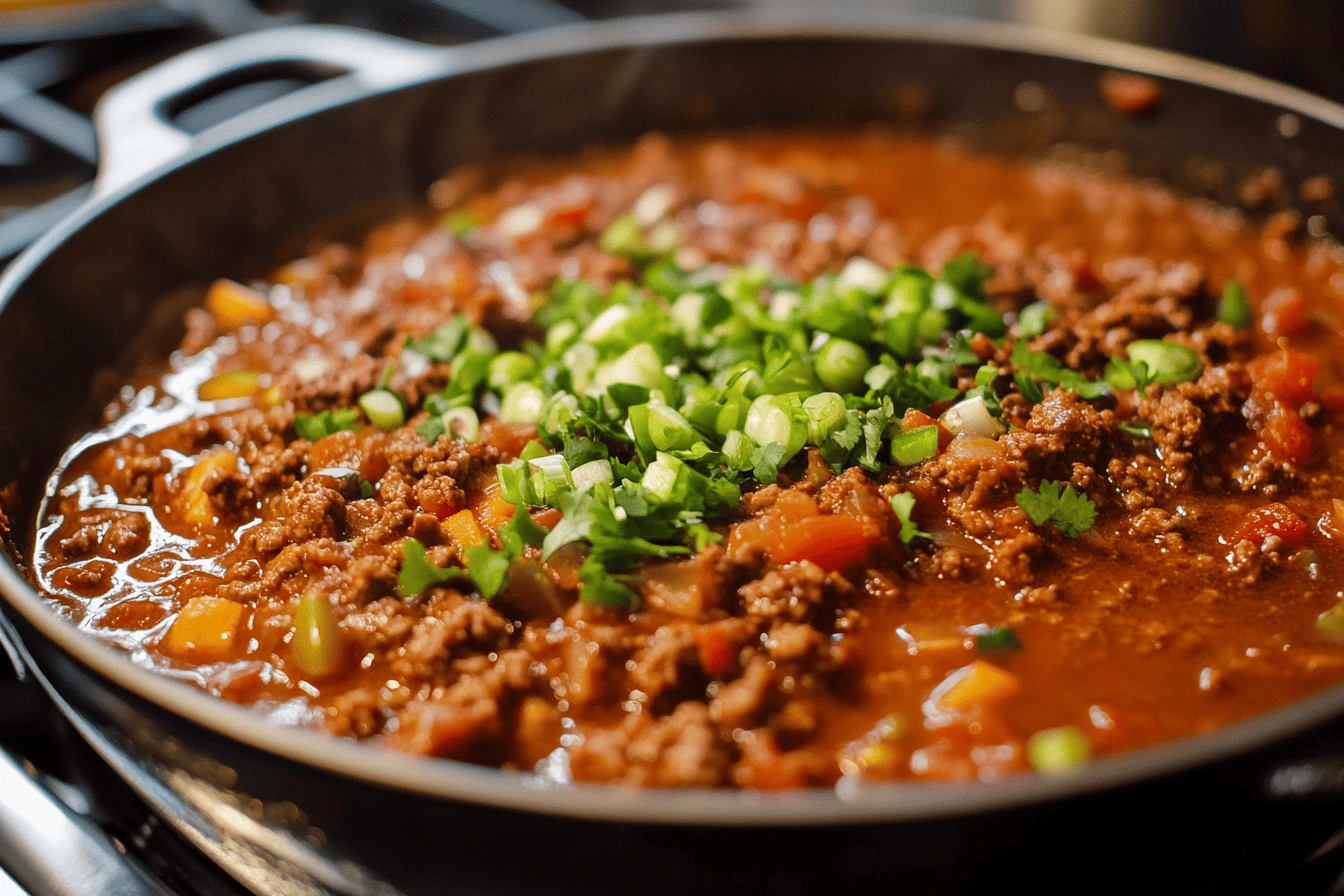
{"points": [[572, 215], [833, 542], [714, 649], [915, 418], [788, 509], [1272, 519], [547, 517], [1287, 435], [509, 438], [1284, 313], [1286, 376]]}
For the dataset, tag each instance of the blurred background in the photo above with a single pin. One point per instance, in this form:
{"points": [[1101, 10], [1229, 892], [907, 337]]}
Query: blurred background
{"points": [[58, 56]]}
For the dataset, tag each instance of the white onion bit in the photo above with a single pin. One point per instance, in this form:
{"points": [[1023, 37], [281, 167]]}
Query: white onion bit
{"points": [[972, 416]]}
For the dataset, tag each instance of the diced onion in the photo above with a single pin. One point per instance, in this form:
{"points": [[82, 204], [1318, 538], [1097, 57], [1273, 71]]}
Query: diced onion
{"points": [[653, 204], [520, 220], [972, 416], [862, 274]]}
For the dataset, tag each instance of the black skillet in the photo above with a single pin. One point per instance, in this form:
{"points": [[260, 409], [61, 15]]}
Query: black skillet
{"points": [[297, 811]]}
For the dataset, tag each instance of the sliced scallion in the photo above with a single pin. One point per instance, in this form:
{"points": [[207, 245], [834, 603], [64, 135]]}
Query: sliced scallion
{"points": [[915, 446], [841, 365], [383, 408], [1167, 362], [1057, 750], [522, 404], [1234, 309]]}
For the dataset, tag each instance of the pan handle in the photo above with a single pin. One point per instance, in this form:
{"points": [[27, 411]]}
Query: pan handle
{"points": [[135, 135]]}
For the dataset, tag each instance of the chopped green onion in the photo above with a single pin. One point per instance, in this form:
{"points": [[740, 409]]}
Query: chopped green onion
{"points": [[660, 478], [1056, 750], [592, 473], [1035, 319], [1234, 309], [1331, 623], [778, 418], [639, 366], [607, 323], [625, 238], [383, 408], [825, 414], [669, 430], [461, 222], [549, 477], [1139, 429], [999, 639], [909, 294], [481, 342], [841, 365], [522, 404], [737, 450], [508, 368], [462, 423], [1167, 362], [915, 445]]}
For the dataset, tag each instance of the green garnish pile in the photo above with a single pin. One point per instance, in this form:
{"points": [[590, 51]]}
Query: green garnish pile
{"points": [[657, 400]]}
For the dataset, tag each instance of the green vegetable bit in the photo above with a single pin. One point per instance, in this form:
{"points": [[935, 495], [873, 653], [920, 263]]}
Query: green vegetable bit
{"points": [[1331, 623], [1071, 512], [1166, 362], [312, 427], [383, 408], [1058, 750], [902, 505], [1234, 309], [915, 445], [841, 365], [999, 639]]}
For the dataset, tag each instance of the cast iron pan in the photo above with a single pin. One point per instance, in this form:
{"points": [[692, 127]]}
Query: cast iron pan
{"points": [[299, 810]]}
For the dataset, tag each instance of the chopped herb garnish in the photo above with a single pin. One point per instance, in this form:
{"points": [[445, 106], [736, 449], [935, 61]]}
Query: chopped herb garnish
{"points": [[902, 505], [996, 639], [445, 342], [1035, 319], [417, 572], [461, 222], [1139, 429], [312, 427], [1071, 512], [1234, 309]]}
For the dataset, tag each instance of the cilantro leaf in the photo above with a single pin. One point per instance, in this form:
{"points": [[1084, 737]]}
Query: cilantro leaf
{"points": [[312, 427], [874, 425], [488, 568], [903, 504], [765, 462], [417, 572], [602, 588], [445, 342], [1073, 513]]}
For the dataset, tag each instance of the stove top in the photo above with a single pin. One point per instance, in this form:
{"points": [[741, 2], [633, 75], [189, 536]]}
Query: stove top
{"points": [[91, 832]]}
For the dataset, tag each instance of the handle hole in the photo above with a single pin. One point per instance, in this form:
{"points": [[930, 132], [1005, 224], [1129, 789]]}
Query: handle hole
{"points": [[235, 92]]}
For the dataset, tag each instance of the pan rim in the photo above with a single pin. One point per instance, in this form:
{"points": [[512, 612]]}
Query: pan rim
{"points": [[454, 780]]}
